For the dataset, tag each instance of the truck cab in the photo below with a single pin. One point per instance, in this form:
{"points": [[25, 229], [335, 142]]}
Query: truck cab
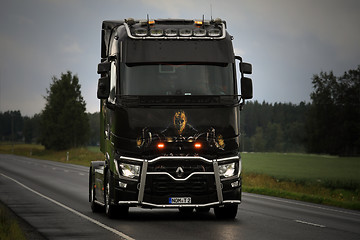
{"points": [[169, 117]]}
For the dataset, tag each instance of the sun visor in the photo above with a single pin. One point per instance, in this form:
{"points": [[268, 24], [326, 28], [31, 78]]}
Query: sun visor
{"points": [[211, 51]]}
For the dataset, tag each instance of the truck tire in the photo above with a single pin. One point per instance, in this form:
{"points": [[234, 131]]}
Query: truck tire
{"points": [[227, 212], [94, 206], [110, 209]]}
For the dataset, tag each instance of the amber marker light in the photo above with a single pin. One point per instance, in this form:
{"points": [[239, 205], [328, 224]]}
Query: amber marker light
{"points": [[161, 146], [197, 145]]}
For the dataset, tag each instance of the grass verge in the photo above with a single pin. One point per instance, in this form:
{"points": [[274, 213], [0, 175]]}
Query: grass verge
{"points": [[301, 190], [9, 227], [80, 156]]}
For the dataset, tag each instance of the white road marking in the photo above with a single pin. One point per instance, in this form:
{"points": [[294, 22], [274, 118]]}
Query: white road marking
{"points": [[123, 235], [309, 223]]}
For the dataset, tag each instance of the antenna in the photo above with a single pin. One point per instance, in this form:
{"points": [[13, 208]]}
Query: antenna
{"points": [[147, 21], [211, 18]]}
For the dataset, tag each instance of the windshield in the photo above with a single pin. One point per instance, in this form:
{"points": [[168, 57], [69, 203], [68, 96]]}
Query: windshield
{"points": [[177, 79]]}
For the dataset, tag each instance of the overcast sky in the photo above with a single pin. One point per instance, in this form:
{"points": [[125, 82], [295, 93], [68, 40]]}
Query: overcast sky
{"points": [[287, 41]]}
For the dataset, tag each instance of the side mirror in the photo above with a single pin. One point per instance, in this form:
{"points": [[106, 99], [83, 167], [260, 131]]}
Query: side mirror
{"points": [[104, 67], [103, 90], [245, 68], [246, 88]]}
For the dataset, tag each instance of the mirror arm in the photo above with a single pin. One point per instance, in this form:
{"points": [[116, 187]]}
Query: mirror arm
{"points": [[110, 105], [240, 59]]}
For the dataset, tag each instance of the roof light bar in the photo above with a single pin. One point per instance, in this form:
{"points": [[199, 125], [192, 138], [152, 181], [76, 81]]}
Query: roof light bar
{"points": [[156, 32], [199, 32], [185, 32], [158, 29], [171, 32], [215, 32], [140, 32]]}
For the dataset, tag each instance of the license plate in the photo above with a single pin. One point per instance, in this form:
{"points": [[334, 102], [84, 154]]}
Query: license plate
{"points": [[180, 200]]}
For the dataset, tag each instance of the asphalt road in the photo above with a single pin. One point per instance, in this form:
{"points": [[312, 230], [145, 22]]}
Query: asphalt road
{"points": [[53, 197]]}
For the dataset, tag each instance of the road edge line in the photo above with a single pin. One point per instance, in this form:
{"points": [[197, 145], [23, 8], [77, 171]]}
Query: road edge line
{"points": [[123, 235], [297, 202]]}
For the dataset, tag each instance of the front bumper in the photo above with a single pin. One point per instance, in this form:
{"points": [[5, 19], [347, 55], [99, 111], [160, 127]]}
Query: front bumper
{"points": [[161, 179]]}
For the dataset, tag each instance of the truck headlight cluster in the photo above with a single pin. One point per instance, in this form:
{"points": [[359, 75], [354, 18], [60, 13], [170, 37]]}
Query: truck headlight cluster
{"points": [[129, 170], [227, 170]]}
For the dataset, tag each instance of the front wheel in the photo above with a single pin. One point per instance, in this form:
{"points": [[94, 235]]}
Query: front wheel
{"points": [[226, 212], [110, 208], [113, 210], [95, 207]]}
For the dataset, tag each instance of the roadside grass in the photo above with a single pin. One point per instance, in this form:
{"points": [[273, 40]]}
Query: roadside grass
{"points": [[80, 156], [9, 227], [325, 169], [320, 179]]}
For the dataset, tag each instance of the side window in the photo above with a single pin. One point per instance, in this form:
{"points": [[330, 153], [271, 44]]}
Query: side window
{"points": [[112, 82]]}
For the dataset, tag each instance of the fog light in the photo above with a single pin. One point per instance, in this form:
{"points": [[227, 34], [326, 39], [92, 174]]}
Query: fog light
{"points": [[235, 184], [161, 146], [197, 145], [122, 185]]}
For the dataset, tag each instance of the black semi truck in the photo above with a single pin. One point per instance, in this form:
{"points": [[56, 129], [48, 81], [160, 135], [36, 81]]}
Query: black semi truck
{"points": [[169, 117]]}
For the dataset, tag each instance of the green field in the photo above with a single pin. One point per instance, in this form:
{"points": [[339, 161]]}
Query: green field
{"points": [[320, 179], [81, 156], [307, 167]]}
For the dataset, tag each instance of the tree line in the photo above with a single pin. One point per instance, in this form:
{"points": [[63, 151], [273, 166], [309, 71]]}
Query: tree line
{"points": [[275, 127], [330, 124], [23, 129]]}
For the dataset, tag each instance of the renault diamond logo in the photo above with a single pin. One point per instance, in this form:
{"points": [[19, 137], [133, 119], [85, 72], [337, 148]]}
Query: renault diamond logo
{"points": [[179, 172]]}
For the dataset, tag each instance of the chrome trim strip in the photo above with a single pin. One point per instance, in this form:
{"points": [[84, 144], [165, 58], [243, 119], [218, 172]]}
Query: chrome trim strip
{"points": [[142, 181], [218, 182], [228, 158], [128, 202], [132, 159], [100, 203], [117, 167], [180, 179], [177, 37], [177, 206], [179, 158]]}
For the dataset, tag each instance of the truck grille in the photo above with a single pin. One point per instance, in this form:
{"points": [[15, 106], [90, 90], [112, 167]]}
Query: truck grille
{"points": [[197, 184], [187, 167], [164, 185]]}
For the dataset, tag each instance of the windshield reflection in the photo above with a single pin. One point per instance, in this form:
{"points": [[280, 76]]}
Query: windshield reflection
{"points": [[177, 79]]}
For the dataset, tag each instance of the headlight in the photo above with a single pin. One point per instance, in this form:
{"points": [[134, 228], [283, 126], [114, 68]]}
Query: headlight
{"points": [[227, 170], [129, 170]]}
